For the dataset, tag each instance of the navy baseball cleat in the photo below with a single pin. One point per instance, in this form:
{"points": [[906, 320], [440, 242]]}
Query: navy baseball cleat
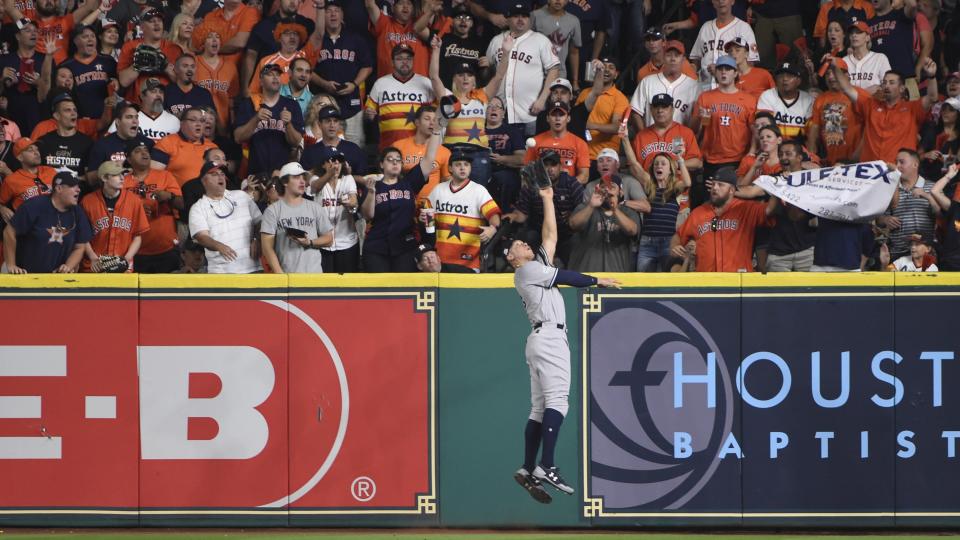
{"points": [[533, 486], [551, 475]]}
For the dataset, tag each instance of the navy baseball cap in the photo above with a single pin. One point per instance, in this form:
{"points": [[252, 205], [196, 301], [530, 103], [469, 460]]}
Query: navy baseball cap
{"points": [[150, 14], [788, 67], [464, 67], [422, 249], [137, 142], [66, 178], [401, 48], [661, 100], [653, 32], [328, 111], [726, 175], [60, 98], [461, 11], [518, 8], [334, 3], [459, 154], [267, 68], [550, 156], [330, 153]]}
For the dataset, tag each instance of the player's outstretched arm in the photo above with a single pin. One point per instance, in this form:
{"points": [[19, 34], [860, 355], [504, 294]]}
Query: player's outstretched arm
{"points": [[548, 233], [582, 281]]}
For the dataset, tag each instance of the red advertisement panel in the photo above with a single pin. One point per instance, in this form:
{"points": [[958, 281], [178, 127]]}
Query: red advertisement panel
{"points": [[360, 404], [68, 403], [213, 380]]}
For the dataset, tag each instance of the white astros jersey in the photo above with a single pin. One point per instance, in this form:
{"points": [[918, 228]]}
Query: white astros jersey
{"points": [[792, 116], [532, 56], [154, 128], [709, 46], [684, 91], [869, 71]]}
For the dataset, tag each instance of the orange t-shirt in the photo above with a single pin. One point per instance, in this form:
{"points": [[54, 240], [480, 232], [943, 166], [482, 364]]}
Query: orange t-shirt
{"points": [[611, 102], [21, 185], [390, 33], [888, 129], [113, 232], [726, 121], [412, 154], [574, 154], [308, 52], [648, 143], [59, 28], [748, 162], [87, 126], [243, 20], [649, 69], [169, 49], [185, 157], [162, 236], [725, 242], [223, 83], [756, 81], [840, 126]]}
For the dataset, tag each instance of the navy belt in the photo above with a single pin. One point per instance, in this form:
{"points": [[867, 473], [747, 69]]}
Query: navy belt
{"points": [[537, 326]]}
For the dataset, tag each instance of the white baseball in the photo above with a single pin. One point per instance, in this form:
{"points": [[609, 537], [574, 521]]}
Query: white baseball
{"points": [[531, 142]]}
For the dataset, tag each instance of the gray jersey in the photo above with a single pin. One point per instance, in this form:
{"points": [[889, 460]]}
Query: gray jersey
{"points": [[307, 216], [541, 297], [563, 32]]}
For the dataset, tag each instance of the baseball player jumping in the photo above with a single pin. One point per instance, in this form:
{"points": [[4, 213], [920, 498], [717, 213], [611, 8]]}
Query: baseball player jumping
{"points": [[547, 350]]}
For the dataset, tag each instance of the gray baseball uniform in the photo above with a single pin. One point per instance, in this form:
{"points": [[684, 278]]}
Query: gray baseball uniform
{"points": [[547, 350]]}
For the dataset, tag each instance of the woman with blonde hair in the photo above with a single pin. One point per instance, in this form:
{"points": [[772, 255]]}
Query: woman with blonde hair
{"points": [[181, 32], [664, 184], [311, 121]]}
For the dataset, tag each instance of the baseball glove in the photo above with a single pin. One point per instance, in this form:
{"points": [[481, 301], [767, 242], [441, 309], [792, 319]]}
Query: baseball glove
{"points": [[112, 264], [534, 176], [147, 59]]}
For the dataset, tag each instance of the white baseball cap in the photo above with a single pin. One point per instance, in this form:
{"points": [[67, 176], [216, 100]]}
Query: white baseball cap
{"points": [[292, 169], [562, 82], [610, 153]]}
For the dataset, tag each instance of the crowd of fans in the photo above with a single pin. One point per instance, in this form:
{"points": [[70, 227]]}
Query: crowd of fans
{"points": [[234, 136]]}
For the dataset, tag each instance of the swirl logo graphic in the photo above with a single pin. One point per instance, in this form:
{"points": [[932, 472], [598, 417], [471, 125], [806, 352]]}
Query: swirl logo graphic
{"points": [[632, 414]]}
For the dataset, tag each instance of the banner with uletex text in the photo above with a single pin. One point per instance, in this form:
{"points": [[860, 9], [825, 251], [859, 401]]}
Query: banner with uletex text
{"points": [[791, 406]]}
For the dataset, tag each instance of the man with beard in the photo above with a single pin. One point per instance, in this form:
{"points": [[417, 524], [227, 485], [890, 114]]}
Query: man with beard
{"points": [[458, 43], [151, 23], [270, 122], [182, 93], [607, 110], [65, 147], [93, 73], [51, 26], [293, 228], [153, 121], [345, 62], [395, 97], [113, 146], [724, 230], [182, 153], [329, 119], [792, 237], [20, 74], [394, 30], [161, 196], [298, 88], [261, 41], [30, 180], [48, 233]]}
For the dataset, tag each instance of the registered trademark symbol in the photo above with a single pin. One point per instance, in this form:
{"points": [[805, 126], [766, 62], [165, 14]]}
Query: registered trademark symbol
{"points": [[363, 488]]}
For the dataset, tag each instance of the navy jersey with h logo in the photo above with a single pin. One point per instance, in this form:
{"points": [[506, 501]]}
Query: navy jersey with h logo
{"points": [[90, 80]]}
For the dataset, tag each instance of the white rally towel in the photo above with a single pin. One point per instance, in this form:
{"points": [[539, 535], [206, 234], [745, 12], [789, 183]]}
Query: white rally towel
{"points": [[856, 192]]}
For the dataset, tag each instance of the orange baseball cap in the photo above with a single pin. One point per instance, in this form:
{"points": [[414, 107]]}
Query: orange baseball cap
{"points": [[21, 145], [674, 44], [859, 25]]}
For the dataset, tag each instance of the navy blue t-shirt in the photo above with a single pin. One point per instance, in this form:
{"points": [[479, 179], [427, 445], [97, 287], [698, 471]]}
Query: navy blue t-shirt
{"points": [[506, 139], [22, 105], [392, 232], [111, 148], [176, 100], [840, 244], [594, 17], [950, 248], [47, 236], [90, 80], [340, 61], [269, 149], [356, 157], [892, 35]]}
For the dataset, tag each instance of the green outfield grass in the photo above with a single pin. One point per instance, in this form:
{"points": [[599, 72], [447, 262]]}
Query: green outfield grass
{"points": [[440, 535]]}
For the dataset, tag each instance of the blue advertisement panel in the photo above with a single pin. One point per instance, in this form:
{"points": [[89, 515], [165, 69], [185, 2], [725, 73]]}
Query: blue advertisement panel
{"points": [[788, 405], [662, 409]]}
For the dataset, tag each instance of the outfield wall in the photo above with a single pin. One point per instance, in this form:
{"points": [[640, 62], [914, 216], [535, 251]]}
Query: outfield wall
{"points": [[273, 400]]}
